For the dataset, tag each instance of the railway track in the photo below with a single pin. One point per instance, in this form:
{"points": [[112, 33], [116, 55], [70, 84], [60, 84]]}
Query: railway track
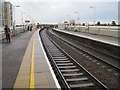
{"points": [[71, 74], [91, 56], [106, 72]]}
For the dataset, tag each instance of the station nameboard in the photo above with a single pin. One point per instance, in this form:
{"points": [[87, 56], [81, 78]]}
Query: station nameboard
{"points": [[27, 21]]}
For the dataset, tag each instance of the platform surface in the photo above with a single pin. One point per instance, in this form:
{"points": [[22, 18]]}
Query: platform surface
{"points": [[35, 70], [12, 55], [25, 64], [101, 38]]}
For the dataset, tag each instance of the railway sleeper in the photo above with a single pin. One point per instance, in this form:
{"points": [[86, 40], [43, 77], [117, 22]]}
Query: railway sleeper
{"points": [[81, 85], [62, 67], [64, 61], [70, 70], [65, 64], [73, 74], [76, 79]]}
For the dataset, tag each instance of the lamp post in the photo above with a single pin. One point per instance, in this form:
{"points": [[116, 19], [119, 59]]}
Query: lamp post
{"points": [[94, 15], [22, 14], [78, 15], [14, 18], [63, 19], [14, 22], [30, 19], [68, 16]]}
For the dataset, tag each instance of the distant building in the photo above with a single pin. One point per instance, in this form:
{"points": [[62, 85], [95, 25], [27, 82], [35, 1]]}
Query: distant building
{"points": [[2, 18], [119, 12], [72, 22], [8, 13]]}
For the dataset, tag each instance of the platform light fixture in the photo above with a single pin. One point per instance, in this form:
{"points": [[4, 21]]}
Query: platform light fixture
{"points": [[94, 15]]}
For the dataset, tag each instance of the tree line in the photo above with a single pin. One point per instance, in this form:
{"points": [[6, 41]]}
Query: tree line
{"points": [[113, 23]]}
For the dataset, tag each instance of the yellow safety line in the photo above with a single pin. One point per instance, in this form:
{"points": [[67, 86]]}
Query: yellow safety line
{"points": [[32, 70]]}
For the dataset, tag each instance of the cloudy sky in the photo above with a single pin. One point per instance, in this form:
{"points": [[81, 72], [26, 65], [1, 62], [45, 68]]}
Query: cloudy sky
{"points": [[54, 11]]}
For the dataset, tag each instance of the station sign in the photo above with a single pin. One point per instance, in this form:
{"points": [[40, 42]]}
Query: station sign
{"points": [[65, 21], [27, 21]]}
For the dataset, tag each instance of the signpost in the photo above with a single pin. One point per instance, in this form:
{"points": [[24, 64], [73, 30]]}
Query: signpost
{"points": [[27, 21]]}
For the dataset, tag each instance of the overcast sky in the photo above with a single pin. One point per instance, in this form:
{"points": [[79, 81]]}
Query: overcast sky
{"points": [[54, 11]]}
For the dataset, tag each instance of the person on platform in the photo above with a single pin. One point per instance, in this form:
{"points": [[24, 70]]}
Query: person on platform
{"points": [[28, 28], [7, 33], [31, 28]]}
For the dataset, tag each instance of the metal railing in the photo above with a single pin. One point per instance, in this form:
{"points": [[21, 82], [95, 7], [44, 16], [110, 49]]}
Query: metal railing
{"points": [[13, 32]]}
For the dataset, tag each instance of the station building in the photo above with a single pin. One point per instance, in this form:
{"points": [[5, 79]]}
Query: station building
{"points": [[6, 14], [2, 14]]}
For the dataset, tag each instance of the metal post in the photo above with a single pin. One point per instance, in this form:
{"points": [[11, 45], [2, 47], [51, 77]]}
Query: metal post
{"points": [[23, 20], [14, 19], [78, 17], [94, 16]]}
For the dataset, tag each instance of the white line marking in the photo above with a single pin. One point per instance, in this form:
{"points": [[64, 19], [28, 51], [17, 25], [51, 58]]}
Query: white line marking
{"points": [[51, 70]]}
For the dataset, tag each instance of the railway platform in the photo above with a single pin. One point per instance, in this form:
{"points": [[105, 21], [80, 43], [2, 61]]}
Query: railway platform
{"points": [[34, 70], [100, 38]]}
